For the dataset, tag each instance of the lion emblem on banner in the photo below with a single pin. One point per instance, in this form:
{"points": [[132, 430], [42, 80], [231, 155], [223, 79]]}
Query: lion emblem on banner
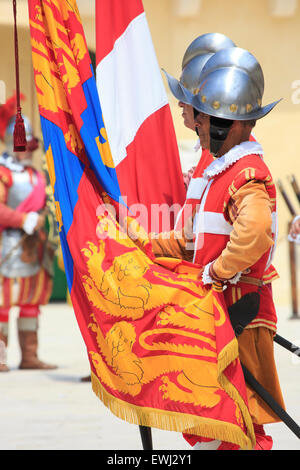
{"points": [[123, 290]]}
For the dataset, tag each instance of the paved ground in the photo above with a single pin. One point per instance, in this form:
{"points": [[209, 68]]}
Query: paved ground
{"points": [[53, 410]]}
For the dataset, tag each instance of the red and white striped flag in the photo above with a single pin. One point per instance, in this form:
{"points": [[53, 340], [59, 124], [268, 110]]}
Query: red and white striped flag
{"points": [[135, 108]]}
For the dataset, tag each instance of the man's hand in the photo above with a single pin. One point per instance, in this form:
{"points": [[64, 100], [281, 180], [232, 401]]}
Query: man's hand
{"points": [[188, 228], [40, 223], [33, 222]]}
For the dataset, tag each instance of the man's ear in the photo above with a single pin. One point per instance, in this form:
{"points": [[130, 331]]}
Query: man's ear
{"points": [[235, 125]]}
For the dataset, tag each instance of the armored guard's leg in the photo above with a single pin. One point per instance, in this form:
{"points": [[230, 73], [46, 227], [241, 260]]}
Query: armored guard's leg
{"points": [[28, 339], [4, 317], [3, 346]]}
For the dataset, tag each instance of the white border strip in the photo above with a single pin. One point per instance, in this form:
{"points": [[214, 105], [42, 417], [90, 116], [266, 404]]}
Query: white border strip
{"points": [[130, 86]]}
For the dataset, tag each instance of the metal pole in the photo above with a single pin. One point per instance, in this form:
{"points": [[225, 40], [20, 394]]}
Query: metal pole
{"points": [[286, 199], [295, 187], [146, 437], [293, 277], [264, 394], [287, 345], [292, 250]]}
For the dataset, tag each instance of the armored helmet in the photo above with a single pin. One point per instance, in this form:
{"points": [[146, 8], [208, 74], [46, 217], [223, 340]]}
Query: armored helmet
{"points": [[194, 59], [205, 44], [231, 87]]}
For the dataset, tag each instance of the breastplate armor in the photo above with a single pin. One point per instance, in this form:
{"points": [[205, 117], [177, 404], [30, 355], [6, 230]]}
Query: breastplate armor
{"points": [[11, 242], [20, 189]]}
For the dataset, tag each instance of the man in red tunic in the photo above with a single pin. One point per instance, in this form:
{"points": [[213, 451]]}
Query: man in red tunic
{"points": [[25, 276], [232, 204]]}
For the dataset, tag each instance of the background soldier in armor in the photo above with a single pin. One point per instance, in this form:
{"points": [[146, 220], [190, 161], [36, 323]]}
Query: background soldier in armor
{"points": [[26, 258]]}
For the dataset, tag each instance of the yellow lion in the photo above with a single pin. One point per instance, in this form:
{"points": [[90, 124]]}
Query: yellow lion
{"points": [[124, 290], [122, 370]]}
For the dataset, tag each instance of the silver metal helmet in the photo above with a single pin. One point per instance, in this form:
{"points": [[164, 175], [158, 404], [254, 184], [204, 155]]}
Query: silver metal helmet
{"points": [[189, 78], [205, 44], [195, 57], [232, 87], [9, 133]]}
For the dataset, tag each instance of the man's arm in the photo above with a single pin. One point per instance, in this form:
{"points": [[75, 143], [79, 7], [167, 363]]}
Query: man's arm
{"points": [[171, 244], [8, 217], [251, 214], [12, 218]]}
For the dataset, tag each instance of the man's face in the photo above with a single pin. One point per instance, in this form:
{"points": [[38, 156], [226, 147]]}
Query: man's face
{"points": [[202, 124], [188, 115]]}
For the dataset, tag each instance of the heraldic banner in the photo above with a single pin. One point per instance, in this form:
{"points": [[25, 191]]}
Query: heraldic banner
{"points": [[161, 347]]}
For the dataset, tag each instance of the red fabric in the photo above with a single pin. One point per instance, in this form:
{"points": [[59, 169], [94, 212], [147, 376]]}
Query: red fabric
{"points": [[113, 17], [132, 170], [26, 311], [9, 217], [228, 446], [162, 285], [192, 440], [218, 197], [211, 245], [36, 199], [205, 160], [4, 314], [263, 442], [267, 315], [267, 308], [187, 177], [29, 311], [152, 155], [187, 209], [77, 235], [13, 218], [33, 291]]}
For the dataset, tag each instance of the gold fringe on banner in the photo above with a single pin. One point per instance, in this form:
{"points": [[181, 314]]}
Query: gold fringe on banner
{"points": [[228, 354], [172, 421]]}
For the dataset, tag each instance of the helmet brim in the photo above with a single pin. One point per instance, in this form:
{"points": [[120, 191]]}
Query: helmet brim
{"points": [[204, 108], [176, 88]]}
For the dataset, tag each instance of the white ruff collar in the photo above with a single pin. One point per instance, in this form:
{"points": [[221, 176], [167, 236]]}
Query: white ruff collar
{"points": [[236, 153]]}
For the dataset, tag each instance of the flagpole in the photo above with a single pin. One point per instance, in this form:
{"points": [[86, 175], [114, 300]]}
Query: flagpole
{"points": [[146, 437], [287, 345], [269, 400]]}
